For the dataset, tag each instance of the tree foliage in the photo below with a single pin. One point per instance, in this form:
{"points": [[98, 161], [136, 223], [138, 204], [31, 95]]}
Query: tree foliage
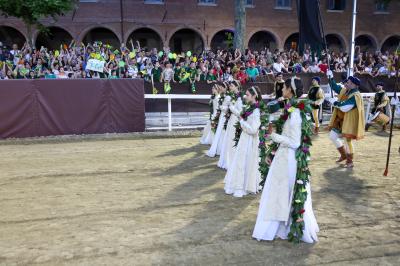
{"points": [[31, 11]]}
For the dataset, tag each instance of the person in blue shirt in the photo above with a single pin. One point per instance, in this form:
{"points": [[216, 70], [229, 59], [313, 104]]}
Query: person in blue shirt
{"points": [[252, 72]]}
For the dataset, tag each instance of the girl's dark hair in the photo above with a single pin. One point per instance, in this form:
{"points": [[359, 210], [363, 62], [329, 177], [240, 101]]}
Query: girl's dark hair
{"points": [[253, 90], [298, 91]]}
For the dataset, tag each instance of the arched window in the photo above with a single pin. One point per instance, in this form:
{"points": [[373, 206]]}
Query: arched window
{"points": [[104, 35], [53, 38], [186, 40], [262, 40], [338, 5], [10, 36], [222, 40], [147, 38]]}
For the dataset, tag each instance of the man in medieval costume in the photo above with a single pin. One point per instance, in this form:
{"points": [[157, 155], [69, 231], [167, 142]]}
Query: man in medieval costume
{"points": [[278, 87], [316, 96], [348, 120], [380, 113]]}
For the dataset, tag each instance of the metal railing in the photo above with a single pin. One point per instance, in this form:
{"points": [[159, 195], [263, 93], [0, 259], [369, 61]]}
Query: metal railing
{"points": [[170, 97]]}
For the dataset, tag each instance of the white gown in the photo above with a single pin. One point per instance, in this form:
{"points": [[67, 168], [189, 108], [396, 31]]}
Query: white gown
{"points": [[216, 146], [228, 149], [284, 165], [243, 176], [208, 134]]}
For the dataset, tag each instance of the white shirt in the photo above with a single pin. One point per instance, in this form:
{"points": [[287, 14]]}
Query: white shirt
{"points": [[383, 70], [315, 69], [278, 67], [132, 71]]}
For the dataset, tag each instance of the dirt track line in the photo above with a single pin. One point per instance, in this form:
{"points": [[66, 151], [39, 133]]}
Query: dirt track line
{"points": [[361, 258], [75, 174]]}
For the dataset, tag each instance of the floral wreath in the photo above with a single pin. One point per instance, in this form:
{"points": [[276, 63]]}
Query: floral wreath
{"points": [[303, 173], [211, 105], [234, 97], [215, 121], [246, 112]]}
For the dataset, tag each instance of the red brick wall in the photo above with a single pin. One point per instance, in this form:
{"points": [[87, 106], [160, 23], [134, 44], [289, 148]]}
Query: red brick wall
{"points": [[167, 18]]}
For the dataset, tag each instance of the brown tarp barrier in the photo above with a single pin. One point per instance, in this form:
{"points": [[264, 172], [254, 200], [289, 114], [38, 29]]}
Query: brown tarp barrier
{"points": [[30, 108], [265, 83]]}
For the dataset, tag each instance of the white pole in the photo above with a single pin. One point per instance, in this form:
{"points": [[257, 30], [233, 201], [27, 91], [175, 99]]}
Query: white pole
{"points": [[353, 42], [169, 114], [368, 110]]}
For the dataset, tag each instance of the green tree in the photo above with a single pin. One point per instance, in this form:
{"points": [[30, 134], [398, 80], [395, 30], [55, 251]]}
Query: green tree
{"points": [[32, 11]]}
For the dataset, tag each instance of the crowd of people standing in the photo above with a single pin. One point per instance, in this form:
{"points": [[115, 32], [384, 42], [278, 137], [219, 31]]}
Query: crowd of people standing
{"points": [[133, 61]]}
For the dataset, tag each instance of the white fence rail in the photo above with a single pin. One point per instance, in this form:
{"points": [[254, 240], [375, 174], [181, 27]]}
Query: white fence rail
{"points": [[170, 97]]}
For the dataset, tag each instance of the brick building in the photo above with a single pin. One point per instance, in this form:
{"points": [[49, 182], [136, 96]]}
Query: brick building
{"points": [[197, 24]]}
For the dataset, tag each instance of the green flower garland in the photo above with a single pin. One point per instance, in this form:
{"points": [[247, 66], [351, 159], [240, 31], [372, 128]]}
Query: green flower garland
{"points": [[246, 112], [211, 106], [302, 156], [263, 167], [215, 121], [228, 114]]}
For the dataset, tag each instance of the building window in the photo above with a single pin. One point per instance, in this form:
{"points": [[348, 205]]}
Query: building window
{"points": [[154, 1], [207, 2], [337, 5], [382, 7], [249, 3], [283, 4]]}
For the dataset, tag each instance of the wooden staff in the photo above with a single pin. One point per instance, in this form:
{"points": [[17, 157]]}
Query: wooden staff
{"points": [[396, 84], [325, 42]]}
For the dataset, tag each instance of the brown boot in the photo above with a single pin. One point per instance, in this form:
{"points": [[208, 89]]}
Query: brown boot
{"points": [[367, 127], [343, 156], [316, 130], [349, 161], [384, 127]]}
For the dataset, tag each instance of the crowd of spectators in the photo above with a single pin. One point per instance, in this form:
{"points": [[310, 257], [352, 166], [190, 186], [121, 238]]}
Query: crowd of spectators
{"points": [[132, 61]]}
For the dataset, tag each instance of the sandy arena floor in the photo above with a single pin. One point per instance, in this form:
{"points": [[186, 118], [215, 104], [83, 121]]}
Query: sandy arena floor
{"points": [[160, 201]]}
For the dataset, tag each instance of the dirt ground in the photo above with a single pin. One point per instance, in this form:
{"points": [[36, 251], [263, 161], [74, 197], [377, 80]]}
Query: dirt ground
{"points": [[159, 201]]}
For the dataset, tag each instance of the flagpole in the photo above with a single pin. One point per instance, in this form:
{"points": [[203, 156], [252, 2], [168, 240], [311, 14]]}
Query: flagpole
{"points": [[353, 43]]}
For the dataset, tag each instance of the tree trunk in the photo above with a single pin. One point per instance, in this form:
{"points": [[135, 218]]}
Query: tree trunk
{"points": [[240, 24], [29, 32]]}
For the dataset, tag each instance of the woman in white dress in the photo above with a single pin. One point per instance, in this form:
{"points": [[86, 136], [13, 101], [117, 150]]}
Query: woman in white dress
{"points": [[235, 107], [208, 134], [274, 214], [216, 146], [243, 176]]}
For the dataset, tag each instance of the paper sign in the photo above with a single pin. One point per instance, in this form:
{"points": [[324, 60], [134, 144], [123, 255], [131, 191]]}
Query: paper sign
{"points": [[95, 65]]}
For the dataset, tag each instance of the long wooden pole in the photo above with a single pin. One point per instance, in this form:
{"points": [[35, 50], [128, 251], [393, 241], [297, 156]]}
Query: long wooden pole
{"points": [[324, 38], [396, 84]]}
